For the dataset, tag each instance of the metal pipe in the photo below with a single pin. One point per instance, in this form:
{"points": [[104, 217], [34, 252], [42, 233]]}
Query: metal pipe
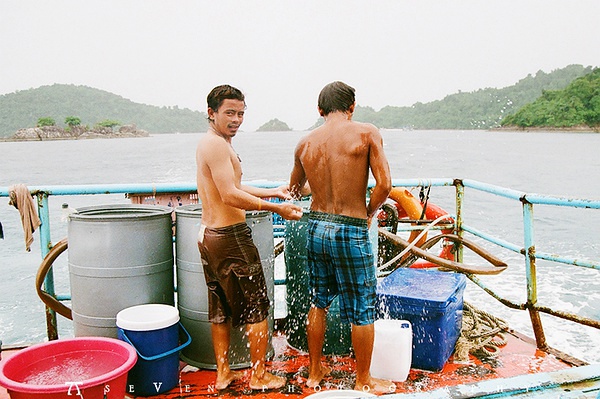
{"points": [[530, 271], [46, 244], [460, 196]]}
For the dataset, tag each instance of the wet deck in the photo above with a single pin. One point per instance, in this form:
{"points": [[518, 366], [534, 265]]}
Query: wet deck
{"points": [[519, 356]]}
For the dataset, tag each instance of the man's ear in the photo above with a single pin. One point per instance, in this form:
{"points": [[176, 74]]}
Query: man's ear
{"points": [[211, 114]]}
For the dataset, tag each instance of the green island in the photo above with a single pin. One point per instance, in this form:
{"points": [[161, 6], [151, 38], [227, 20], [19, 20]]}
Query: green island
{"points": [[564, 99], [274, 125], [577, 106]]}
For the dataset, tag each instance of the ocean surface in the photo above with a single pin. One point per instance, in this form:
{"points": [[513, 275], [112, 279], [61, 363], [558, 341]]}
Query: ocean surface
{"points": [[561, 164]]}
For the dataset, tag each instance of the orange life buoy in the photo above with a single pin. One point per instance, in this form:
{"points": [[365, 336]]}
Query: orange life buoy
{"points": [[410, 207], [432, 212]]}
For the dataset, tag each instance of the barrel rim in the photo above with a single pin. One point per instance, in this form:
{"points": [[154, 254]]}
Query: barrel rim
{"points": [[119, 211]]}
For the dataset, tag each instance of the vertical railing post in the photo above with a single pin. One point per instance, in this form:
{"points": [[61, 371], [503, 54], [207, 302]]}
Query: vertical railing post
{"points": [[46, 244], [530, 269], [460, 193]]}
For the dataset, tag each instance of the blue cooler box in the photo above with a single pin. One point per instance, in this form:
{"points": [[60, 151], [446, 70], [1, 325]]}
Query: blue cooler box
{"points": [[433, 302]]}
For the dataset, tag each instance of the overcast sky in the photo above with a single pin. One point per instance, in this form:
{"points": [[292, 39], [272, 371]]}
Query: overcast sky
{"points": [[281, 53]]}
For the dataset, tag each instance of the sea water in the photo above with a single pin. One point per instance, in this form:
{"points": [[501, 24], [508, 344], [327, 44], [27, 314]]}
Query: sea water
{"points": [[563, 164], [67, 367]]}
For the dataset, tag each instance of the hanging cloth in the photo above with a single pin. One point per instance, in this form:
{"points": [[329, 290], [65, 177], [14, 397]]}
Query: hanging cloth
{"points": [[21, 199]]}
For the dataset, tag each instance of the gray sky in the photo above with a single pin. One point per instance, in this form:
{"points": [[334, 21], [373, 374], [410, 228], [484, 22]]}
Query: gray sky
{"points": [[281, 53]]}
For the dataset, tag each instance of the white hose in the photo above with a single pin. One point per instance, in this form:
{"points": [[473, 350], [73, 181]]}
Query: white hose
{"points": [[413, 243]]}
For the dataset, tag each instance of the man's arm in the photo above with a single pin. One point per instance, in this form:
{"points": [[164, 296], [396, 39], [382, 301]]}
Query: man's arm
{"points": [[281, 192], [381, 172], [298, 186], [232, 193]]}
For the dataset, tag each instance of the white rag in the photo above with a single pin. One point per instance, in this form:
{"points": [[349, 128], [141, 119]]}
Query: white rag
{"points": [[21, 199]]}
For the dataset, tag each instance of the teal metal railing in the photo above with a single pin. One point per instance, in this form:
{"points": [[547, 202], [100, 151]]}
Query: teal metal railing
{"points": [[461, 227], [528, 249]]}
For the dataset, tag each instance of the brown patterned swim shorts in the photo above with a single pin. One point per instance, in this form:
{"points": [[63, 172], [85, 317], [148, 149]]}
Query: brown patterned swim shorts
{"points": [[234, 275]]}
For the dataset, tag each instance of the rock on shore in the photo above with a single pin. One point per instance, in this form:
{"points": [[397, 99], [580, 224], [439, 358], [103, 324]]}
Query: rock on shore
{"points": [[75, 132]]}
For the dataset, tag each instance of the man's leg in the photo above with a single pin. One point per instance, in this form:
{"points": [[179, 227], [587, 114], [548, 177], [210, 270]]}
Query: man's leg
{"points": [[362, 342], [258, 337], [315, 331], [221, 337]]}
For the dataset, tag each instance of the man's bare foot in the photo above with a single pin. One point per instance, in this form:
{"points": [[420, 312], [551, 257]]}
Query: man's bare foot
{"points": [[268, 381], [314, 378], [376, 386], [224, 381]]}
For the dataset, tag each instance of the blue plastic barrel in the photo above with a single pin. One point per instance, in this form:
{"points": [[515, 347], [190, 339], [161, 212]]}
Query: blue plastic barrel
{"points": [[153, 330]]}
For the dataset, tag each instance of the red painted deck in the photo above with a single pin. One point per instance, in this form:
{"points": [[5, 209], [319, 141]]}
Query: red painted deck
{"points": [[519, 356]]}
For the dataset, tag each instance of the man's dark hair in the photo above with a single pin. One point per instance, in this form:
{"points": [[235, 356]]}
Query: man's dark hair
{"points": [[220, 93], [336, 96]]}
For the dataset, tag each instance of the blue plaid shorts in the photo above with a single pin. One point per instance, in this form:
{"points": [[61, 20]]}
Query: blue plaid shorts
{"points": [[341, 262]]}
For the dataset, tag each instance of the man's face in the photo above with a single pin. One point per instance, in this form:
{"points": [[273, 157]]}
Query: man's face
{"points": [[228, 118]]}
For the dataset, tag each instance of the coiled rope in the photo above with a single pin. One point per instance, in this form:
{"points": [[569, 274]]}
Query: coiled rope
{"points": [[481, 334]]}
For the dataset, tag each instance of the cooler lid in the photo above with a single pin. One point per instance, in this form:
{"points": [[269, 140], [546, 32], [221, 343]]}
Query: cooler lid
{"points": [[422, 288]]}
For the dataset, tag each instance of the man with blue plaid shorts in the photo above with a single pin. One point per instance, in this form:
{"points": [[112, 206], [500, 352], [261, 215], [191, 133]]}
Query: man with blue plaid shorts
{"points": [[333, 163], [339, 251]]}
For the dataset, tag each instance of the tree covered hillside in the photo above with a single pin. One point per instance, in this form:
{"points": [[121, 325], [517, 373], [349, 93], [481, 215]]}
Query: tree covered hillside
{"points": [[481, 109], [576, 105], [24, 108]]}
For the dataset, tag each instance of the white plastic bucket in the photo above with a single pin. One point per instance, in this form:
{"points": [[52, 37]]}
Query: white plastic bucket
{"points": [[392, 350]]}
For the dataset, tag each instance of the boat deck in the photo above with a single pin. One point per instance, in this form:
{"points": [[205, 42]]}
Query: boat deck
{"points": [[518, 357]]}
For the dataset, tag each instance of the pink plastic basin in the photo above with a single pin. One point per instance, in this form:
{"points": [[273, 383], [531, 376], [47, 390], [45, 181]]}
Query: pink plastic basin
{"points": [[83, 367]]}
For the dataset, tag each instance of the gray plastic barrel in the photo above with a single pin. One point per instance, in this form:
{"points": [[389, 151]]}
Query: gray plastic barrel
{"points": [[119, 256], [192, 294], [338, 339]]}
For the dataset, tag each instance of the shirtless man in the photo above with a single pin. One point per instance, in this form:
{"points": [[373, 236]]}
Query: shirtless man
{"points": [[237, 293], [335, 160]]}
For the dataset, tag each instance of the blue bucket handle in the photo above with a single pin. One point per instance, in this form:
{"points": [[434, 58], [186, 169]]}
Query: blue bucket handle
{"points": [[161, 355]]}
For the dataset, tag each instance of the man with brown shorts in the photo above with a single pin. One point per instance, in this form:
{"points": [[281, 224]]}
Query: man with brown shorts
{"points": [[237, 292]]}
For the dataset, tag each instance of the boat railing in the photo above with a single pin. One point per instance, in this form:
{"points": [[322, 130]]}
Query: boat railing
{"points": [[527, 249], [461, 227]]}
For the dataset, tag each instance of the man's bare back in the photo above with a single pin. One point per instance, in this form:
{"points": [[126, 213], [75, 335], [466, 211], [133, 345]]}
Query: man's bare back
{"points": [[335, 159]]}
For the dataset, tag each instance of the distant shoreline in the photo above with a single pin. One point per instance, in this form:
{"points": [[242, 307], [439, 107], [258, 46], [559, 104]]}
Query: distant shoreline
{"points": [[118, 135], [53, 133], [88, 137], [548, 129]]}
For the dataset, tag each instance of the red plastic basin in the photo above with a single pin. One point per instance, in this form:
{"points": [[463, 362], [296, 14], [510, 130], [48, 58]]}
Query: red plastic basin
{"points": [[88, 367]]}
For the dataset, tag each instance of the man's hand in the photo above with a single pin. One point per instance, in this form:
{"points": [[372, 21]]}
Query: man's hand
{"points": [[283, 192], [289, 211]]}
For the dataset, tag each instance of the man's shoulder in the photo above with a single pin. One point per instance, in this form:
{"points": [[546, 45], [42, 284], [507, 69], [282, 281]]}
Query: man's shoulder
{"points": [[212, 141], [365, 126], [211, 147]]}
